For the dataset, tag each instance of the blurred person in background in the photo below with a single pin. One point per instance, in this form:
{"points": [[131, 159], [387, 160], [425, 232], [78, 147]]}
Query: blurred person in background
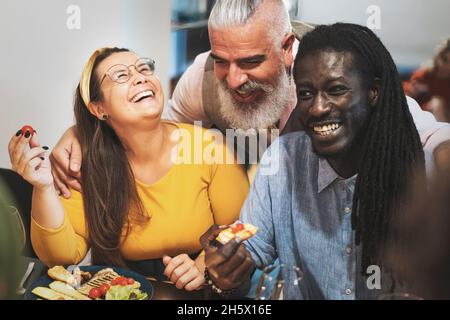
{"points": [[430, 85], [442, 158], [423, 263], [9, 248]]}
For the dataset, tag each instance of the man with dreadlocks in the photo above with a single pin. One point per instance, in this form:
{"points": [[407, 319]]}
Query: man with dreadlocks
{"points": [[329, 208]]}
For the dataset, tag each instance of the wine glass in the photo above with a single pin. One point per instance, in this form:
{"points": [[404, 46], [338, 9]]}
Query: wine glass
{"points": [[273, 279]]}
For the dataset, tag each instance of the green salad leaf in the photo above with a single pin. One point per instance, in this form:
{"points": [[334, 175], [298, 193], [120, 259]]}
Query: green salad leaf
{"points": [[125, 293]]}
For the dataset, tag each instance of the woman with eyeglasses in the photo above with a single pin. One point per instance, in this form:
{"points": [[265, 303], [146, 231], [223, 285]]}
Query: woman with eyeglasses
{"points": [[139, 202]]}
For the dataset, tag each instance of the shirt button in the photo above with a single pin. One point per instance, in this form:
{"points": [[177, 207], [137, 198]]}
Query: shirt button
{"points": [[349, 250], [347, 210], [348, 291]]}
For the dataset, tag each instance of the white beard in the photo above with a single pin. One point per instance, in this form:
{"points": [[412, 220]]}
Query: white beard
{"points": [[260, 114]]}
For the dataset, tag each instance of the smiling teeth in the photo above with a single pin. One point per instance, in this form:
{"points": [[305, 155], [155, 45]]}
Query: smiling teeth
{"points": [[243, 92], [142, 94], [327, 129]]}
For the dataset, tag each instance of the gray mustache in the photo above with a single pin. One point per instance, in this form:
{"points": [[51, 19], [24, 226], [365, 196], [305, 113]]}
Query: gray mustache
{"points": [[251, 85]]}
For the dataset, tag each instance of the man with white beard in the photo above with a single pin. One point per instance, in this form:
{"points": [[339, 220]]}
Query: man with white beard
{"points": [[257, 114], [245, 81]]}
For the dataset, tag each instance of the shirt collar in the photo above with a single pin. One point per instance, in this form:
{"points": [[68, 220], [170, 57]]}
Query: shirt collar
{"points": [[326, 175]]}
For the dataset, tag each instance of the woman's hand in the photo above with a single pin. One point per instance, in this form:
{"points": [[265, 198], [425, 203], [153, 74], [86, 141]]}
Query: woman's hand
{"points": [[29, 159], [184, 272]]}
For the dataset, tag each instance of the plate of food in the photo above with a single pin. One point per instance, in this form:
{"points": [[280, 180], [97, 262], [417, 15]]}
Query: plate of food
{"points": [[90, 283]]}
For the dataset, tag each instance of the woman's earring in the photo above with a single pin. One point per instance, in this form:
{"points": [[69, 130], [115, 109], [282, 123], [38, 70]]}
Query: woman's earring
{"points": [[105, 117]]}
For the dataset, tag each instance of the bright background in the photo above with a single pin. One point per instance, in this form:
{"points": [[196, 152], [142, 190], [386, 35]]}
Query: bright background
{"points": [[42, 60], [410, 29]]}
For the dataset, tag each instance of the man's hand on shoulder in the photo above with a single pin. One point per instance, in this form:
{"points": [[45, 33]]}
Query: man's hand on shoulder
{"points": [[66, 163]]}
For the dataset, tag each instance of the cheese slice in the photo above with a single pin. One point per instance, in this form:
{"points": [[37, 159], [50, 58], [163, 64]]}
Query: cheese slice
{"points": [[50, 294], [67, 290], [61, 274]]}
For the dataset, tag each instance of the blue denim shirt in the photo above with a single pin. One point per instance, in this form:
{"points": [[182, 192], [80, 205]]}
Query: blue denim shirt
{"points": [[303, 212]]}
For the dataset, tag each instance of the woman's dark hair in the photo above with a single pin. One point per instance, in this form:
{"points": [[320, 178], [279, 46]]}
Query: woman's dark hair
{"points": [[109, 189], [391, 151]]}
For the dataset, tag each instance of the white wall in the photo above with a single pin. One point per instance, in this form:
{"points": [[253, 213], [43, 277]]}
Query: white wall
{"points": [[410, 29], [41, 59]]}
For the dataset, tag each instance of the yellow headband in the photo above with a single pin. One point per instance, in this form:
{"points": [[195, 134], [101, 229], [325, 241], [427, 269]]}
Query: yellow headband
{"points": [[86, 76]]}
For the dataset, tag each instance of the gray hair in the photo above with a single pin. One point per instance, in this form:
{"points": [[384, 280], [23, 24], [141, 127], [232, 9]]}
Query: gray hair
{"points": [[231, 13]]}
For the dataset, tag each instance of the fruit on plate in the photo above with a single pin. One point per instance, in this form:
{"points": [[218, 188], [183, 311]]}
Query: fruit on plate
{"points": [[105, 284], [95, 293], [105, 276]]}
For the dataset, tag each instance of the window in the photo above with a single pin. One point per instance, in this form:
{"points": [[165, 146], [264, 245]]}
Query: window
{"points": [[189, 34]]}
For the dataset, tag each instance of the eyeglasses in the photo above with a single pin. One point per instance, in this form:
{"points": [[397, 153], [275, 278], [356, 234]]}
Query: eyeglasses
{"points": [[121, 73]]}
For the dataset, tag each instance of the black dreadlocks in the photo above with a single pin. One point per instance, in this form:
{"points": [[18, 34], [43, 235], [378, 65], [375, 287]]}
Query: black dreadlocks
{"points": [[392, 151]]}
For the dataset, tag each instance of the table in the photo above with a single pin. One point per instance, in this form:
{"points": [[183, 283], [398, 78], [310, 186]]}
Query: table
{"points": [[167, 291]]}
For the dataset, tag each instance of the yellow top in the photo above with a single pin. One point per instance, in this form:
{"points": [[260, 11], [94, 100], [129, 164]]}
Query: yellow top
{"points": [[182, 205]]}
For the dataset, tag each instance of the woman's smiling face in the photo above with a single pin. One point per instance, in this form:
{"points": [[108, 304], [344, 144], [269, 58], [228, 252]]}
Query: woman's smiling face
{"points": [[141, 97]]}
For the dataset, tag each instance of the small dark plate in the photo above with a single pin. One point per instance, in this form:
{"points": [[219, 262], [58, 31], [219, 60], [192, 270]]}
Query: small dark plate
{"points": [[45, 281]]}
